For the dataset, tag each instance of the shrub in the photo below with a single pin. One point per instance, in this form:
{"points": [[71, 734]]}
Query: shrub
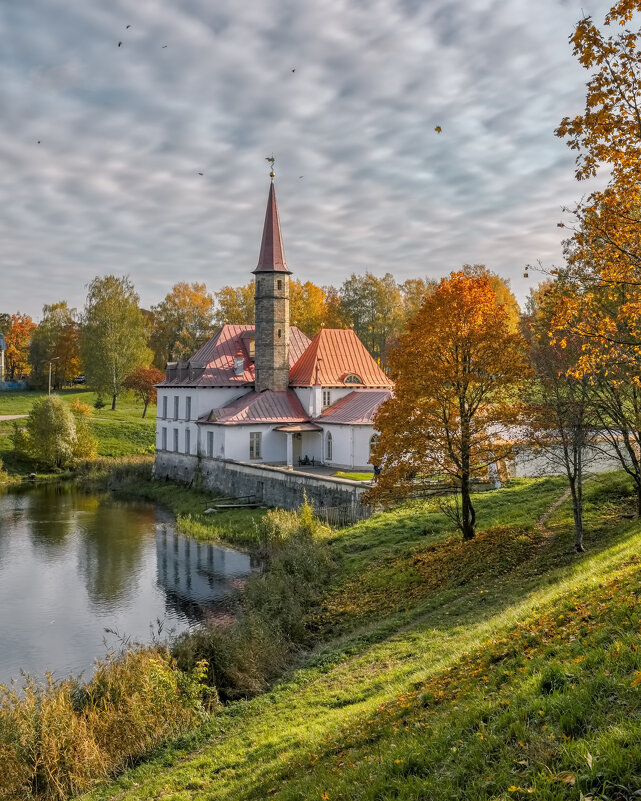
{"points": [[60, 738], [271, 624], [53, 435]]}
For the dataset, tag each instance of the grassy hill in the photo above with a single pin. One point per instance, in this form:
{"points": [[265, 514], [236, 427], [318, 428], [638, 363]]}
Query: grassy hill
{"points": [[504, 668]]}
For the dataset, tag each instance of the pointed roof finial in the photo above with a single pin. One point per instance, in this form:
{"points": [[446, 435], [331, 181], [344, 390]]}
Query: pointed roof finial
{"points": [[272, 254], [271, 160]]}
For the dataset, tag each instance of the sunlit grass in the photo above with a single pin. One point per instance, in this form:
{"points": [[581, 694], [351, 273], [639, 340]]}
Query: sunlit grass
{"points": [[510, 669]]}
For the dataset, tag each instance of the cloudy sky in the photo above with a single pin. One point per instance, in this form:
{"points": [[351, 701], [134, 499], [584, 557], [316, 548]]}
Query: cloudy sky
{"points": [[101, 146]]}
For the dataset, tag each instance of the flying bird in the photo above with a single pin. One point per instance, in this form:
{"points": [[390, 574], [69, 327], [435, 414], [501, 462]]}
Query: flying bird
{"points": [[119, 44], [294, 70], [300, 176], [38, 141], [128, 26], [164, 46], [438, 129], [201, 173]]}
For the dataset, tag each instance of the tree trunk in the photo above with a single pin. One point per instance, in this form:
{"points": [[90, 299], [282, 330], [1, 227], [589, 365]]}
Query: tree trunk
{"points": [[638, 482], [576, 490], [468, 516], [144, 411], [113, 403]]}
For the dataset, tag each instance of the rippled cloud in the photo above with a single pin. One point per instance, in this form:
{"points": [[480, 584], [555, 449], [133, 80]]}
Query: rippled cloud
{"points": [[102, 145]]}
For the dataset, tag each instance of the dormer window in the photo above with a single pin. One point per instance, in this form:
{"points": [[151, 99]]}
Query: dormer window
{"points": [[352, 378], [252, 349]]}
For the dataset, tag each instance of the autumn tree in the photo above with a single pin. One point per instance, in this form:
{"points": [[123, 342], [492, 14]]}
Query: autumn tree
{"points": [[335, 314], [373, 307], [501, 286], [18, 339], [603, 251], [182, 322], [142, 382], [55, 340], [307, 306], [235, 305], [562, 428], [114, 335], [457, 371]]}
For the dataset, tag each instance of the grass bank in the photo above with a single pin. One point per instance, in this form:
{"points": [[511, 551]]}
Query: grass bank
{"points": [[504, 668]]}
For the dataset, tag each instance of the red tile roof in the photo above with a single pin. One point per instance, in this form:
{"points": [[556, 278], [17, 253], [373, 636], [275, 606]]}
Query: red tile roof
{"points": [[213, 364], [333, 355], [259, 407], [357, 408], [272, 255]]}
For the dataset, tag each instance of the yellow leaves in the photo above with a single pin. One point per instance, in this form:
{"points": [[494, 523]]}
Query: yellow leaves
{"points": [[636, 681], [325, 796], [566, 778]]}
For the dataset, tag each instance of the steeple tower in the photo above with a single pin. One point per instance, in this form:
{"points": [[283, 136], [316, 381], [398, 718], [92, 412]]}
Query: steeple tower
{"points": [[271, 362]]}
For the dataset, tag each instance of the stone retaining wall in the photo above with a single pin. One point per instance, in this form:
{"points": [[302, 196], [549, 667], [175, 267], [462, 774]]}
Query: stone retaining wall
{"points": [[273, 486]]}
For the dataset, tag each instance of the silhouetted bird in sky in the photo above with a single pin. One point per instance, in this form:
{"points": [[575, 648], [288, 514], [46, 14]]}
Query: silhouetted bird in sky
{"points": [[164, 46], [438, 129], [201, 173], [38, 141], [300, 176], [119, 44], [129, 26]]}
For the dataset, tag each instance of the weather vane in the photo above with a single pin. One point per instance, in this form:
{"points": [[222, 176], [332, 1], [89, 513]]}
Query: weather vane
{"points": [[271, 161]]}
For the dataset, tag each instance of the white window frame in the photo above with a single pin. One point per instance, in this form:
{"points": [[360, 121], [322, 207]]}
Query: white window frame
{"points": [[164, 407], [163, 438], [188, 407], [329, 447], [187, 440], [175, 440], [327, 398], [210, 444], [255, 444], [176, 406]]}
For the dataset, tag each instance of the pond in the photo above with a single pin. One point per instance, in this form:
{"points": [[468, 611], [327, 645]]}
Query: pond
{"points": [[82, 573]]}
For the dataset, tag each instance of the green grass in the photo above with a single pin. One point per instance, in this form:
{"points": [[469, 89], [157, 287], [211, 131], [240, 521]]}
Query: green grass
{"points": [[120, 433], [505, 668], [354, 476]]}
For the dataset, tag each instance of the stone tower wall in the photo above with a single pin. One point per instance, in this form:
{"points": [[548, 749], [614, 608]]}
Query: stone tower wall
{"points": [[272, 331]]}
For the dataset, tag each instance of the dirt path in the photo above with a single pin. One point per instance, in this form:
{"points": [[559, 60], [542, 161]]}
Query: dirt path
{"points": [[4, 417]]}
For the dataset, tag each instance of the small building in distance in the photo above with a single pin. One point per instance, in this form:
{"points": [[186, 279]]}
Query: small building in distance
{"points": [[268, 394]]}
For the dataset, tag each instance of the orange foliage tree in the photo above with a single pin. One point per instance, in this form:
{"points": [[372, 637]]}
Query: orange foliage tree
{"points": [[182, 322], [602, 279], [458, 371], [18, 339], [142, 382]]}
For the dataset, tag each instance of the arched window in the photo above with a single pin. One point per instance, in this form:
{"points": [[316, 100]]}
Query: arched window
{"points": [[352, 378], [372, 441], [328, 447]]}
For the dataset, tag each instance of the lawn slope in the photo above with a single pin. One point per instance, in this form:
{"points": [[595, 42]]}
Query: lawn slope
{"points": [[503, 668]]}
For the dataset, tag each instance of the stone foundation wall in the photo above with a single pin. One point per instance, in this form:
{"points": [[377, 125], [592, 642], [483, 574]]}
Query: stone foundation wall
{"points": [[273, 486]]}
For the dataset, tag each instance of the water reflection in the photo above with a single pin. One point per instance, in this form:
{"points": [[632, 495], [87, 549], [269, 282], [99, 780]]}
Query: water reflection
{"points": [[195, 575], [74, 564]]}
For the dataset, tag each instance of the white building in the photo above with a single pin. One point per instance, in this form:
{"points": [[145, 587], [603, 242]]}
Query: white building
{"points": [[269, 394]]}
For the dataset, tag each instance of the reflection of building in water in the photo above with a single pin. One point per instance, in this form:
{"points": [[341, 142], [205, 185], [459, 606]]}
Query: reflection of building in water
{"points": [[198, 576]]}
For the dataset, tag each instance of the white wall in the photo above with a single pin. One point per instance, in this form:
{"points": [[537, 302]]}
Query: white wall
{"points": [[350, 446], [531, 464]]}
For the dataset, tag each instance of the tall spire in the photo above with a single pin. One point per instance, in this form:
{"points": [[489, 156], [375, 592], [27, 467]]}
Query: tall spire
{"points": [[272, 255]]}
